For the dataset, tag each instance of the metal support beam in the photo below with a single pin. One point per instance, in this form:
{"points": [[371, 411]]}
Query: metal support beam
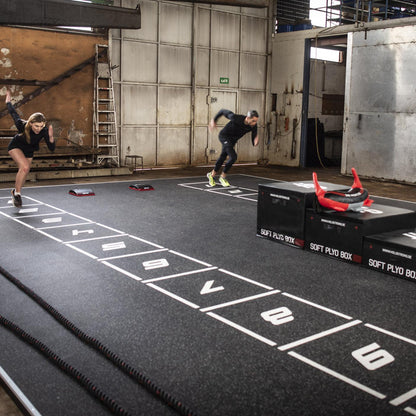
{"points": [[22, 82], [67, 13], [259, 4], [49, 85]]}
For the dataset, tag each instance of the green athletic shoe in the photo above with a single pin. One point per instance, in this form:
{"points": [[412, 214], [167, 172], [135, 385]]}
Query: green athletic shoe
{"points": [[211, 179], [224, 182]]}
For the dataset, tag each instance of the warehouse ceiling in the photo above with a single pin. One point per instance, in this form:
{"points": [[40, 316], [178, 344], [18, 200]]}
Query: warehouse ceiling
{"points": [[292, 11], [94, 14], [240, 3], [68, 13]]}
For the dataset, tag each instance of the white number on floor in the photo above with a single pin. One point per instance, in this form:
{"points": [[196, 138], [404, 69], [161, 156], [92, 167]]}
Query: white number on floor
{"points": [[372, 356], [278, 316], [155, 264]]}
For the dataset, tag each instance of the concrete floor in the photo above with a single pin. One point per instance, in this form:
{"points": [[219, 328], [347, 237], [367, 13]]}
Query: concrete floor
{"points": [[375, 187]]}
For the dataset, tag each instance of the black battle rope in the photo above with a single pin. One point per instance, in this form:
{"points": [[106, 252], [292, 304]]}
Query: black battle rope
{"points": [[68, 369], [102, 349]]}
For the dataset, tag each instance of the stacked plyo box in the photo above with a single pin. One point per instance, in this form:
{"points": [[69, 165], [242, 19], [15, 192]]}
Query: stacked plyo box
{"points": [[393, 253], [288, 212], [341, 234], [281, 210]]}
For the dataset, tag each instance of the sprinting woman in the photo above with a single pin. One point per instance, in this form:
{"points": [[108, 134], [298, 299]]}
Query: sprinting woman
{"points": [[25, 143]]}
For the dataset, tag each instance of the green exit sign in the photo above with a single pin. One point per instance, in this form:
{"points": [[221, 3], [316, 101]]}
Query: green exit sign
{"points": [[224, 80]]}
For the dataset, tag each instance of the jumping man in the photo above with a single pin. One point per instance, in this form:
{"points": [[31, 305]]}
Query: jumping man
{"points": [[234, 130], [23, 145]]}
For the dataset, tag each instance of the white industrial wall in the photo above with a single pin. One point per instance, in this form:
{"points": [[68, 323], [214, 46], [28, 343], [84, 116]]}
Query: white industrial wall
{"points": [[288, 56], [168, 78], [380, 104]]}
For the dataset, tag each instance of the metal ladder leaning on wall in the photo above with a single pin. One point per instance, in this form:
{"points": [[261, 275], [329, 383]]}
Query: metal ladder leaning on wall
{"points": [[105, 121]]}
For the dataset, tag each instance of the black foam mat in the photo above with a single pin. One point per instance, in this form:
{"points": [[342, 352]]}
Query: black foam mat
{"points": [[218, 359]]}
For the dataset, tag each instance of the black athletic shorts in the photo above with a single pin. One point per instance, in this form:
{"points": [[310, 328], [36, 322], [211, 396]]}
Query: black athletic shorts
{"points": [[17, 143]]}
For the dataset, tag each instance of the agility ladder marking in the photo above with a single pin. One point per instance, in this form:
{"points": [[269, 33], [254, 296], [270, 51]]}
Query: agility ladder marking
{"points": [[230, 323]]}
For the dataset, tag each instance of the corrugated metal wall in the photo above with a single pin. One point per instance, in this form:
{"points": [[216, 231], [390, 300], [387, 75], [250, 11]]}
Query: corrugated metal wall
{"points": [[184, 64]]}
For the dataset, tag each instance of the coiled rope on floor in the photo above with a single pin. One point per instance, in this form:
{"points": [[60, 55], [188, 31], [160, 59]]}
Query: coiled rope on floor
{"points": [[136, 375], [64, 366]]}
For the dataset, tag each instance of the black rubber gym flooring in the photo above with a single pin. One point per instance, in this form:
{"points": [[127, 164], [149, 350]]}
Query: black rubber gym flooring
{"points": [[174, 286]]}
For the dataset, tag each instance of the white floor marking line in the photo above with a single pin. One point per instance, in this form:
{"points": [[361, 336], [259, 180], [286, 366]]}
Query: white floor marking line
{"points": [[82, 251], [241, 300], [96, 238], [190, 258], [315, 305], [392, 334], [337, 375], [410, 410], [156, 279], [259, 177], [218, 186], [139, 253], [182, 300], [245, 279], [242, 329], [46, 214], [221, 193], [248, 190], [49, 236], [110, 228], [39, 202], [59, 209], [125, 272], [23, 223], [23, 400], [181, 184], [11, 206], [247, 199], [65, 225], [145, 241], [76, 216], [227, 191], [403, 398], [322, 334], [193, 187]]}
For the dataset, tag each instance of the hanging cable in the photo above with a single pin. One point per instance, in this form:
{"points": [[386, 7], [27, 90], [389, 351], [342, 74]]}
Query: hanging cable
{"points": [[136, 375]]}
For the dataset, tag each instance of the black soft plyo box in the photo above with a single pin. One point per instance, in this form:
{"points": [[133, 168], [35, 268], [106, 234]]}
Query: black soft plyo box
{"points": [[393, 253], [341, 234], [281, 210]]}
